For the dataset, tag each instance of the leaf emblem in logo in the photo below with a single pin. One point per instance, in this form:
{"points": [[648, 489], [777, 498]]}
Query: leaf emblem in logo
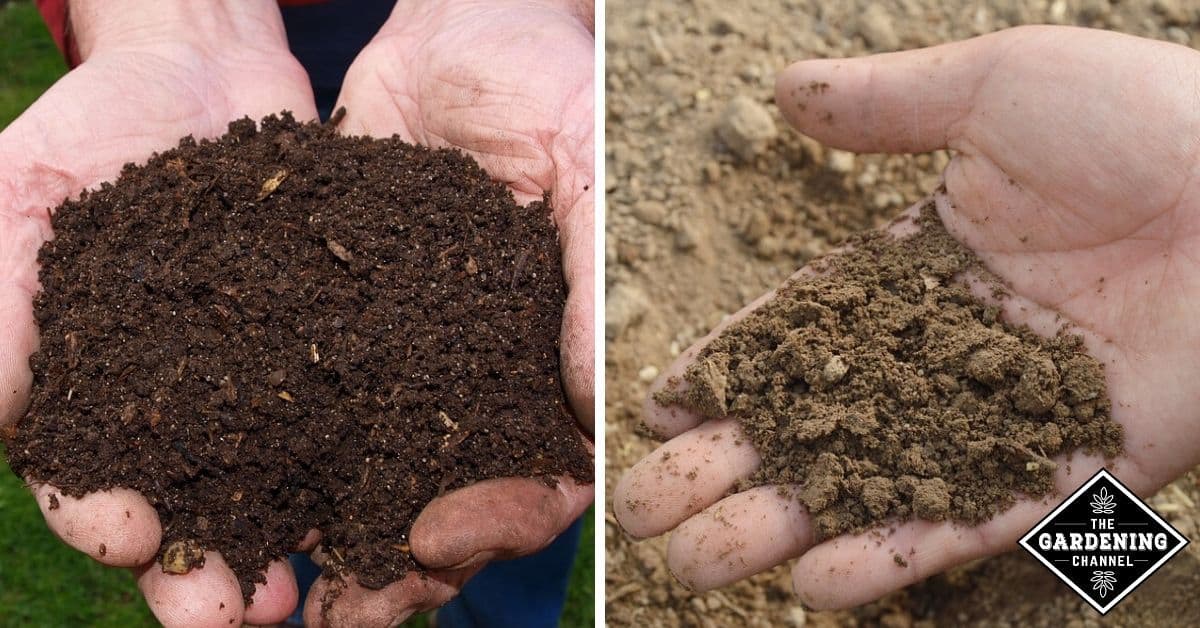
{"points": [[1103, 502], [1103, 581]]}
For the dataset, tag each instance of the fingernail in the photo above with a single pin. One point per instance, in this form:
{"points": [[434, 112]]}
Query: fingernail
{"points": [[684, 583], [476, 560], [805, 601], [631, 536]]}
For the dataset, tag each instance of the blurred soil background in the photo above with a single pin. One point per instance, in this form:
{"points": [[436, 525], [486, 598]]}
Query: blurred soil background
{"points": [[713, 200]]}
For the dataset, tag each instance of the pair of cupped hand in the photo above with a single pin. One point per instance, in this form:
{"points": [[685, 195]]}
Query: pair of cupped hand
{"points": [[1074, 178], [508, 82]]}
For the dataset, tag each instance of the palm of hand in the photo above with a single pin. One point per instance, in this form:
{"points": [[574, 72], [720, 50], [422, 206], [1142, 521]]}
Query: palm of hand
{"points": [[511, 86], [1076, 190], [134, 102], [1079, 193], [138, 101]]}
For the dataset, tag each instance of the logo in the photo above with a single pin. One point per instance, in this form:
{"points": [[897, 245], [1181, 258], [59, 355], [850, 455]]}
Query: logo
{"points": [[1103, 541]]}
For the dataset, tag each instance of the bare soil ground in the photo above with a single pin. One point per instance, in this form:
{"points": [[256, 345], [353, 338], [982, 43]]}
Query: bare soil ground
{"points": [[696, 230]]}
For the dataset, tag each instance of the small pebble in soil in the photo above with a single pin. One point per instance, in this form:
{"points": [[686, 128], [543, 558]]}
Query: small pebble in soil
{"points": [[840, 161], [746, 127], [648, 374], [182, 556], [875, 25]]}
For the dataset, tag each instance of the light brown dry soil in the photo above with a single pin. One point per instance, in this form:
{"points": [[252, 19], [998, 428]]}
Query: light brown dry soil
{"points": [[697, 227]]}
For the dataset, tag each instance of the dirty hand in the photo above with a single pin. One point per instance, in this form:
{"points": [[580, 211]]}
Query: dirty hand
{"points": [[149, 77], [510, 83], [1074, 180]]}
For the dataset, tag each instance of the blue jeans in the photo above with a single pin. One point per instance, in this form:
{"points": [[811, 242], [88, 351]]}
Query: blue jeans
{"points": [[528, 592], [325, 38]]}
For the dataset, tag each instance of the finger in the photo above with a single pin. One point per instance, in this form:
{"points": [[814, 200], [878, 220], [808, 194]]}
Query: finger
{"points": [[850, 570], [18, 341], [350, 604], [502, 518], [572, 188], [915, 551], [671, 421], [739, 536], [23, 233], [207, 597], [367, 96], [117, 527], [900, 102], [310, 541], [682, 477], [274, 600], [577, 230]]}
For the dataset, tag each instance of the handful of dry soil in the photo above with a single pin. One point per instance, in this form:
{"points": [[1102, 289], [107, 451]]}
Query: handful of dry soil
{"points": [[289, 329], [886, 391]]}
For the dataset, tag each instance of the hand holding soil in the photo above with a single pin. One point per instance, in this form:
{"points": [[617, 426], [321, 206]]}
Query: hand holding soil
{"points": [[510, 84], [1072, 183], [221, 73], [147, 79], [450, 74]]}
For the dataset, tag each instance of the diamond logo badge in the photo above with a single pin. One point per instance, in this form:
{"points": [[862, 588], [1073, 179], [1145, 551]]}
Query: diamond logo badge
{"points": [[1103, 541]]}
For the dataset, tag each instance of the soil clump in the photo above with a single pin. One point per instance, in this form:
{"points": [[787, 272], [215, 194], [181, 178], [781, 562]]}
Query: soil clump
{"points": [[286, 329], [885, 390]]}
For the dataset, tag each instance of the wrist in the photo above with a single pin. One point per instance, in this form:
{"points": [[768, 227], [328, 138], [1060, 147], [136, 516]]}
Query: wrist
{"points": [[97, 26]]}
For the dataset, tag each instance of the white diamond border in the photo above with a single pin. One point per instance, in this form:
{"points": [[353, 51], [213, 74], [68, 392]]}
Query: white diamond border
{"points": [[1103, 473]]}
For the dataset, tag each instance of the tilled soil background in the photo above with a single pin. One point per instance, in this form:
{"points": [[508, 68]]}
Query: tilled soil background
{"points": [[712, 200]]}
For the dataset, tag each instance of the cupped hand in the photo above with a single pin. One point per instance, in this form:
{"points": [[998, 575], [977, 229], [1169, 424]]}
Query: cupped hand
{"points": [[148, 78], [1073, 179], [510, 83]]}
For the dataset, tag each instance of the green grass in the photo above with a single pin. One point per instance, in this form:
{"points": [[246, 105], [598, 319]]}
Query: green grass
{"points": [[581, 593], [43, 583], [29, 62]]}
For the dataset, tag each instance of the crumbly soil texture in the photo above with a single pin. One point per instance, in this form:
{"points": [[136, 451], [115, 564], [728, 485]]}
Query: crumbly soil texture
{"points": [[885, 390], [286, 329], [706, 212]]}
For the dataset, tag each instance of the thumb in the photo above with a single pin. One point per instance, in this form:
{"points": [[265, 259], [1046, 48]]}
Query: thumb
{"points": [[901, 102]]}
